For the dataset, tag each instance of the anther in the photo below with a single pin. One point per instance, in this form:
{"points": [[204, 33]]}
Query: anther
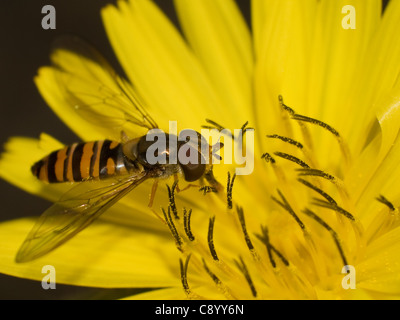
{"points": [[215, 148], [318, 173], [211, 274], [270, 248], [292, 158], [224, 289], [244, 127], [343, 146], [386, 202], [229, 189], [207, 189], [242, 267], [265, 238], [184, 268], [214, 125], [210, 238], [267, 157], [331, 231], [171, 195], [300, 117], [318, 190], [172, 228], [285, 205], [286, 139], [280, 255], [335, 207], [244, 229], [186, 223], [284, 106]]}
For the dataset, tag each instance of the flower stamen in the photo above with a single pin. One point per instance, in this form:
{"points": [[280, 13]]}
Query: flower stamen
{"points": [[292, 158], [214, 125], [304, 130], [186, 223], [267, 157], [335, 207], [284, 106], [217, 281], [208, 189], [244, 128], [318, 190], [172, 228], [343, 146], [210, 238], [331, 231], [243, 268], [229, 189], [286, 139], [285, 205], [270, 248], [318, 173], [242, 221], [324, 125], [382, 222], [386, 202], [171, 196], [184, 269], [286, 113]]}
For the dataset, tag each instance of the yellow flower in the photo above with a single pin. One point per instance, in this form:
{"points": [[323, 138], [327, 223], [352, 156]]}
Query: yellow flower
{"points": [[323, 194]]}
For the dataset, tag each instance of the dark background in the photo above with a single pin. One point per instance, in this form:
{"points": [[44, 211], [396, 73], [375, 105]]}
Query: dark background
{"points": [[24, 48]]}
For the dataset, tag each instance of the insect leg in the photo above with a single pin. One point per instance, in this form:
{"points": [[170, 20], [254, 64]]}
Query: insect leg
{"points": [[124, 137], [185, 188], [153, 193]]}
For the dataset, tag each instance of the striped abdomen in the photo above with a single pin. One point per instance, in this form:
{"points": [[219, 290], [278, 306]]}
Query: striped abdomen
{"points": [[81, 161]]}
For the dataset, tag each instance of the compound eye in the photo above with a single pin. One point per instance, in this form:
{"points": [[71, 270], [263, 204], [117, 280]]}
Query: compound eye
{"points": [[193, 172], [191, 162]]}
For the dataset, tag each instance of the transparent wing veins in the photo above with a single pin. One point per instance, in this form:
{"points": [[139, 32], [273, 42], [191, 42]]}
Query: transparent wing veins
{"points": [[95, 90], [76, 210]]}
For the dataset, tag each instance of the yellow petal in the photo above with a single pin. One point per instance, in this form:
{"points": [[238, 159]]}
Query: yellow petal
{"points": [[48, 87], [379, 68], [259, 12], [383, 181], [284, 39], [310, 44], [221, 40], [103, 255], [380, 271], [15, 163], [336, 67], [382, 136], [388, 113], [160, 65]]}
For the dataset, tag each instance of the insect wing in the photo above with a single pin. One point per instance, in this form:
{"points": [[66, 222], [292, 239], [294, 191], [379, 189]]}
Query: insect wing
{"points": [[76, 210], [94, 89]]}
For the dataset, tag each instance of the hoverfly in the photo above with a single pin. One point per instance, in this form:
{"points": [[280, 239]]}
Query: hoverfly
{"points": [[103, 171]]}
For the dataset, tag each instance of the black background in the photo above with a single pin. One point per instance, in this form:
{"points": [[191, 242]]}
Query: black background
{"points": [[24, 48]]}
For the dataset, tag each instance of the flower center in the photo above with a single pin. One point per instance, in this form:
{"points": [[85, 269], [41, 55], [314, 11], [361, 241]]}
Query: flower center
{"points": [[293, 243]]}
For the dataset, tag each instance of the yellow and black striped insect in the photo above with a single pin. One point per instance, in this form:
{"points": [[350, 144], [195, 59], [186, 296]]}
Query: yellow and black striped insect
{"points": [[104, 171]]}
